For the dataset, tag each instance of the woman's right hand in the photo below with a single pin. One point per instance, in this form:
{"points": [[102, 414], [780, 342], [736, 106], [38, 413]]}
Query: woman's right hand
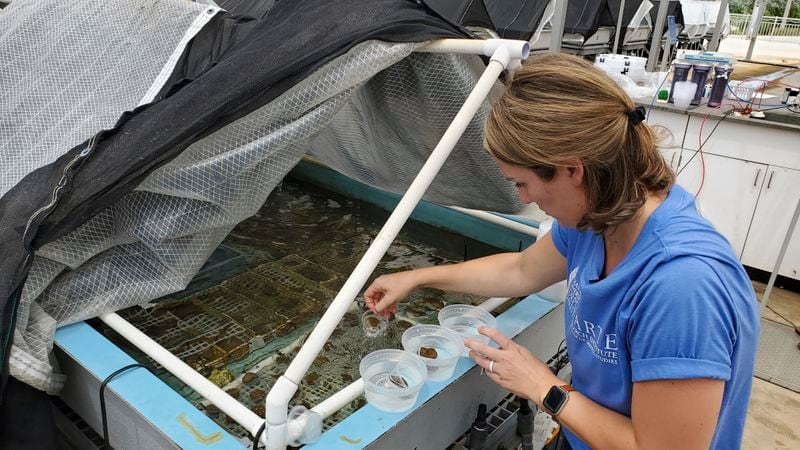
{"points": [[383, 294]]}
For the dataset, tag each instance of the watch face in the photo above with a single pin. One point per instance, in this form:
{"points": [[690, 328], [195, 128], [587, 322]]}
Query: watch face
{"points": [[554, 400]]}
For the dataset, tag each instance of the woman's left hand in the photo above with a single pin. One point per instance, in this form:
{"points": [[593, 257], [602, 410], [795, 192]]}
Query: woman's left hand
{"points": [[514, 367]]}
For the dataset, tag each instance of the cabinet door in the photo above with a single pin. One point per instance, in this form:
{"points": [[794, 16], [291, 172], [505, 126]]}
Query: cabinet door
{"points": [[771, 222], [729, 192], [674, 122]]}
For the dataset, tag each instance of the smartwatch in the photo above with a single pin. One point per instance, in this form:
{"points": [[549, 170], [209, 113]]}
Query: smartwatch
{"points": [[556, 398]]}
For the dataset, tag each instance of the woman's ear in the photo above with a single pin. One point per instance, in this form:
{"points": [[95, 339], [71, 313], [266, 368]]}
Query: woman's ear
{"points": [[575, 171]]}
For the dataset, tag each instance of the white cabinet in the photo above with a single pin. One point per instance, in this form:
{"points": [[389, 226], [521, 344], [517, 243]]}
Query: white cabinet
{"points": [[751, 181], [675, 123], [779, 195], [729, 192]]}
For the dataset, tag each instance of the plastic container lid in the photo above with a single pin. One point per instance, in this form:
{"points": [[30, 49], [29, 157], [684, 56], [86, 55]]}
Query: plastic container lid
{"points": [[438, 347]]}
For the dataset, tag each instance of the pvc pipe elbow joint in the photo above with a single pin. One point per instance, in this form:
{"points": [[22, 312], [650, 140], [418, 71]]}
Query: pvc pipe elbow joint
{"points": [[304, 426], [516, 49], [277, 413]]}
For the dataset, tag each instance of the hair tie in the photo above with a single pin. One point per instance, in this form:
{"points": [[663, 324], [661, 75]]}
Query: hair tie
{"points": [[636, 115]]}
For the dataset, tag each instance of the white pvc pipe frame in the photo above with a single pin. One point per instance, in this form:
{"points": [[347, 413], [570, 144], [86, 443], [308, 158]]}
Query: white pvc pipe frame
{"points": [[498, 220], [502, 53]]}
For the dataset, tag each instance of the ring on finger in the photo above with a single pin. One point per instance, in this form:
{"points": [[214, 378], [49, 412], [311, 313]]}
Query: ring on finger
{"points": [[491, 366]]}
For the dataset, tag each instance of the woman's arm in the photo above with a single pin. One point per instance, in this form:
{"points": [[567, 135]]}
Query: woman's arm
{"points": [[666, 414], [502, 275]]}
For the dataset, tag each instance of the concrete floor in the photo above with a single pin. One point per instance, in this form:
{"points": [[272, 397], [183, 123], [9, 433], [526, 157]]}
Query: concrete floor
{"points": [[773, 418], [781, 52], [783, 306]]}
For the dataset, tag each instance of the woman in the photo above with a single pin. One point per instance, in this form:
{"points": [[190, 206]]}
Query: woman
{"points": [[661, 319]]}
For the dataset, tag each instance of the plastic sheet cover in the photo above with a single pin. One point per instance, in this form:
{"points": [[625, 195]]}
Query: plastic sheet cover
{"points": [[79, 87], [69, 70], [517, 19], [374, 113]]}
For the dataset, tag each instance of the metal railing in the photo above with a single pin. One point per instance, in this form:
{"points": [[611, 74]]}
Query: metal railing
{"points": [[771, 28]]}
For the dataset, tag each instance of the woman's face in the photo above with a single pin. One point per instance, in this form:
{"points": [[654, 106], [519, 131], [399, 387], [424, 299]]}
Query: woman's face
{"points": [[563, 197]]}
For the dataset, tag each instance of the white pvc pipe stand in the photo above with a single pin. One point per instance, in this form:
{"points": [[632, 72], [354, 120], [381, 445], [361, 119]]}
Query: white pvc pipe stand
{"points": [[340, 399], [285, 387], [503, 52], [498, 220], [227, 404], [487, 47], [787, 238]]}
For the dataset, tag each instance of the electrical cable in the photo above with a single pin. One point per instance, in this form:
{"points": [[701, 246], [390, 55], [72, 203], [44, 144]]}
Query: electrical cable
{"points": [[561, 345], [724, 116], [103, 416], [773, 108], [560, 359], [738, 99], [655, 96], [784, 317], [700, 144], [257, 437]]}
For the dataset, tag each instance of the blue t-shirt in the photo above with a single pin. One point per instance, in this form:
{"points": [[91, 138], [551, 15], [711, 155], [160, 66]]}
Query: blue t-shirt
{"points": [[678, 306]]}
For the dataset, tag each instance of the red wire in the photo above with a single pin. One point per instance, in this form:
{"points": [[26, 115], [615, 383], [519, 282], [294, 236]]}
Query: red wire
{"points": [[700, 149], [736, 98]]}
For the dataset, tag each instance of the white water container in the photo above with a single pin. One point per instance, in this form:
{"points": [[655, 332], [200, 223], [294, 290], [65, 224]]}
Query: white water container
{"points": [[632, 66]]}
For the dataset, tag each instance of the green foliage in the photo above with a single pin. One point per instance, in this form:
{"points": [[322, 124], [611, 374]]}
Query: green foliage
{"points": [[774, 7]]}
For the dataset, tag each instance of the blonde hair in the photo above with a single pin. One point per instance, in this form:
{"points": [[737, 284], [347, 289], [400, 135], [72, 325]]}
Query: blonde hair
{"points": [[559, 107]]}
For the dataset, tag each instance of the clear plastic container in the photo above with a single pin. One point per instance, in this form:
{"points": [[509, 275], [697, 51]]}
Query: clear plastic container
{"points": [[374, 325], [392, 379], [683, 94], [438, 347], [465, 320]]}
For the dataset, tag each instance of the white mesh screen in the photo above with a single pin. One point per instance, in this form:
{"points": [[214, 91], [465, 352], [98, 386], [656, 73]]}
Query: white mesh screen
{"points": [[374, 113], [68, 69]]}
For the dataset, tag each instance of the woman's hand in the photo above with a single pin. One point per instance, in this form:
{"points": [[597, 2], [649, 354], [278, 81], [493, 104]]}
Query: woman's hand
{"points": [[514, 367], [383, 294]]}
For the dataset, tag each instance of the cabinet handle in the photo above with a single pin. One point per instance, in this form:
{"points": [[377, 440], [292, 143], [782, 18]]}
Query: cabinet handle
{"points": [[671, 160], [756, 180], [769, 182], [680, 158]]}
